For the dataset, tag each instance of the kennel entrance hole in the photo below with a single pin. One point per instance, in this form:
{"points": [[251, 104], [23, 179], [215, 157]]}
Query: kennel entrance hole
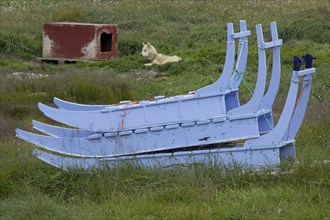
{"points": [[106, 42]]}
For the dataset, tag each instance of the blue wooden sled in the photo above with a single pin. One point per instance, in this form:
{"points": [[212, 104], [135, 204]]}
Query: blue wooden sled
{"points": [[220, 87], [187, 128]]}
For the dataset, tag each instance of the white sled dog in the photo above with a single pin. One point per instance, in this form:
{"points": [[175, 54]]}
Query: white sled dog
{"points": [[149, 52]]}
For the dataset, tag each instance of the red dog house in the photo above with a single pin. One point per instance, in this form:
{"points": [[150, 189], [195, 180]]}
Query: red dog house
{"points": [[67, 42]]}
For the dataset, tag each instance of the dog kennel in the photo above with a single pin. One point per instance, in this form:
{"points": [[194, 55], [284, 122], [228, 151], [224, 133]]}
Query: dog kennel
{"points": [[69, 42]]}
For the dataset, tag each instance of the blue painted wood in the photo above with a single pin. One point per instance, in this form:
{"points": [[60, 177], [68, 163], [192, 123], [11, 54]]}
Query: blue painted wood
{"points": [[239, 71], [250, 108], [82, 116], [230, 157], [263, 109], [148, 130], [98, 146], [301, 106], [278, 133], [157, 138], [269, 98], [252, 154], [62, 104], [266, 122], [170, 110], [59, 131], [231, 97]]}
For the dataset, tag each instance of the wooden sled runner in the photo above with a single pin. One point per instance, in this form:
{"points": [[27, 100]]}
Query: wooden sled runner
{"points": [[183, 103], [166, 131], [162, 111], [235, 73]]}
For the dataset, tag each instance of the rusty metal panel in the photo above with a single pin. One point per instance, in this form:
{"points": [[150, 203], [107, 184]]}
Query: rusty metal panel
{"points": [[79, 41]]}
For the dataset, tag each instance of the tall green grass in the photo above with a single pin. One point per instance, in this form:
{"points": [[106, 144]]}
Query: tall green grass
{"points": [[195, 31]]}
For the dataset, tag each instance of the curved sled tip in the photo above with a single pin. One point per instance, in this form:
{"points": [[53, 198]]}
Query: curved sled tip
{"points": [[37, 125], [21, 133], [46, 109], [42, 106], [48, 158], [28, 136], [35, 122], [24, 135], [56, 100], [18, 132]]}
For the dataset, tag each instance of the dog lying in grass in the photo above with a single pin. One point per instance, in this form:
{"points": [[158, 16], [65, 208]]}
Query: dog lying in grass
{"points": [[149, 52]]}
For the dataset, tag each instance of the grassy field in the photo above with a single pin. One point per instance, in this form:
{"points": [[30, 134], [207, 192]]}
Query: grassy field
{"points": [[195, 31]]}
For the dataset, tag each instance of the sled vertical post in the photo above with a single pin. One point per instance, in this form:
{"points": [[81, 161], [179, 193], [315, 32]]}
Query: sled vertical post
{"points": [[278, 133], [269, 98], [242, 54], [220, 86], [251, 107], [231, 98], [302, 101]]}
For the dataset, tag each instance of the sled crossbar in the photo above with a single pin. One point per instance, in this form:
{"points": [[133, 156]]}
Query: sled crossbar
{"points": [[241, 34], [306, 72], [271, 44]]}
